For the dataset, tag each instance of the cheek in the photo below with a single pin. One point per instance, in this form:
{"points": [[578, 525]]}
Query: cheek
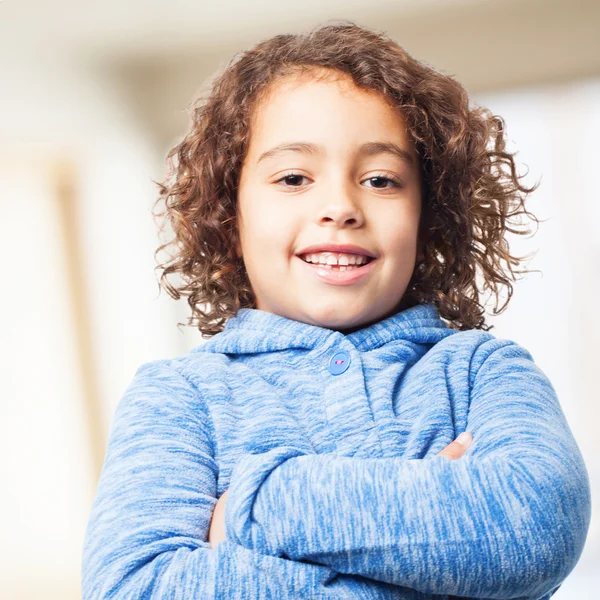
{"points": [[266, 229], [398, 233]]}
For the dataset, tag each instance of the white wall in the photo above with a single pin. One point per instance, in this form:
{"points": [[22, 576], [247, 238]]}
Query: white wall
{"points": [[49, 115]]}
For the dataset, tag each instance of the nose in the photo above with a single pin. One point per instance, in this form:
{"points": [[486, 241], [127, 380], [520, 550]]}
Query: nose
{"points": [[341, 208]]}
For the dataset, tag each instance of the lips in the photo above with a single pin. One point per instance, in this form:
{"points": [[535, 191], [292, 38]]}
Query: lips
{"points": [[335, 276], [346, 248]]}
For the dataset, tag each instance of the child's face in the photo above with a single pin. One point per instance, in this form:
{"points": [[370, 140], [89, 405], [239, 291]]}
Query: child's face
{"points": [[328, 196]]}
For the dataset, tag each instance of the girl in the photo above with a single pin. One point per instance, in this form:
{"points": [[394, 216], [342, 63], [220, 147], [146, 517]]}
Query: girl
{"points": [[332, 205]]}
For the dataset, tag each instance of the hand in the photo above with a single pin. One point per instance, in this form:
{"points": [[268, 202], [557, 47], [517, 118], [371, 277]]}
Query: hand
{"points": [[456, 449], [216, 532]]}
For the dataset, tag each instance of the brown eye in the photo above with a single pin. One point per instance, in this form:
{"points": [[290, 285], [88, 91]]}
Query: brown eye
{"points": [[379, 182], [292, 179]]}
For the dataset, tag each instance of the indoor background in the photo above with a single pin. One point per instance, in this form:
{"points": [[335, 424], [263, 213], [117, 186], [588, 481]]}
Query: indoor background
{"points": [[92, 96]]}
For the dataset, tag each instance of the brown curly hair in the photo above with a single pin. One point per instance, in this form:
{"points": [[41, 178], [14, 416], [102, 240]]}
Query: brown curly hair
{"points": [[470, 185]]}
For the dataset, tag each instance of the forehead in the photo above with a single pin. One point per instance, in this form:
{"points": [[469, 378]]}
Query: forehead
{"points": [[324, 105]]}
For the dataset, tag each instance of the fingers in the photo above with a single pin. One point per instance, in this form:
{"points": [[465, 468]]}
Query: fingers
{"points": [[216, 531], [458, 447]]}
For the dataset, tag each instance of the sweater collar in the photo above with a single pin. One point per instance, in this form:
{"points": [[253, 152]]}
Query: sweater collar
{"points": [[253, 331]]}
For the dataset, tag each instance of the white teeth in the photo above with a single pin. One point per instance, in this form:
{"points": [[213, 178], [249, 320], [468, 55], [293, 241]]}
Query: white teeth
{"points": [[336, 258]]}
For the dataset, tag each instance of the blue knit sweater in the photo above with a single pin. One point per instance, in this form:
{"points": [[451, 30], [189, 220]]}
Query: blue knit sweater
{"points": [[328, 444]]}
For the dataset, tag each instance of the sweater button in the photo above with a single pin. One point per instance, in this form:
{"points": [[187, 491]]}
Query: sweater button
{"points": [[339, 362]]}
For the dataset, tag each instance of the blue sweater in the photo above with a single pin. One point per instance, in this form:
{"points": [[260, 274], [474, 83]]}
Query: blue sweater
{"points": [[328, 444]]}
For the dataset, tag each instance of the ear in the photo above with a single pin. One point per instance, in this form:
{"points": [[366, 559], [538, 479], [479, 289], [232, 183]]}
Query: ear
{"points": [[238, 248]]}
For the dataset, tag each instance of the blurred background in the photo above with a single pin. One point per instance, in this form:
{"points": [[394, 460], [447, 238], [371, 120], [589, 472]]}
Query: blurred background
{"points": [[93, 95]]}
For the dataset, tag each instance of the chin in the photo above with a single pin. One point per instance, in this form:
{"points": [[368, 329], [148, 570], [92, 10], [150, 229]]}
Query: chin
{"points": [[338, 319]]}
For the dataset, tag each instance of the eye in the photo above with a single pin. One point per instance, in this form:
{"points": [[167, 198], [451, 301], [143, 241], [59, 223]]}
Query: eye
{"points": [[382, 179], [380, 182], [291, 179]]}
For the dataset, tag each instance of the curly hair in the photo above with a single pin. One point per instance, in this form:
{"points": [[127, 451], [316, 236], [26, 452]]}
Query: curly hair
{"points": [[471, 190]]}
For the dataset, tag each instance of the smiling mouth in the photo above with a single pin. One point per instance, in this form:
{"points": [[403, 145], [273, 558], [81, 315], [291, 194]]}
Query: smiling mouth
{"points": [[337, 267], [339, 275], [340, 268]]}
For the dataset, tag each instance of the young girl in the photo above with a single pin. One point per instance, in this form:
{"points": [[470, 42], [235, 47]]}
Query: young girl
{"points": [[332, 205]]}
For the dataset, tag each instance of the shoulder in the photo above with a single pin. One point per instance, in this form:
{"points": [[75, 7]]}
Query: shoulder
{"points": [[161, 403], [173, 384], [496, 358], [190, 382], [184, 369], [465, 345], [482, 343], [483, 350], [470, 338]]}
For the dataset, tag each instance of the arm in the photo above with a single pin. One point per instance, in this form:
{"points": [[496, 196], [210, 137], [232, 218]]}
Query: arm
{"points": [[507, 520], [147, 533]]}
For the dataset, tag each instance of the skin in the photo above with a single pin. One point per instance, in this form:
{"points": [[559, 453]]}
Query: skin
{"points": [[336, 195], [331, 196]]}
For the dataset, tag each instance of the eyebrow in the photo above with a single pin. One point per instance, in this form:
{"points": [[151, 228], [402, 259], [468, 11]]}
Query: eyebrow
{"points": [[367, 149]]}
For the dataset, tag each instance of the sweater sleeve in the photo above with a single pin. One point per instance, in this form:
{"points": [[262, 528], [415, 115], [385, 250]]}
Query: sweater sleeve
{"points": [[507, 520], [147, 533]]}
